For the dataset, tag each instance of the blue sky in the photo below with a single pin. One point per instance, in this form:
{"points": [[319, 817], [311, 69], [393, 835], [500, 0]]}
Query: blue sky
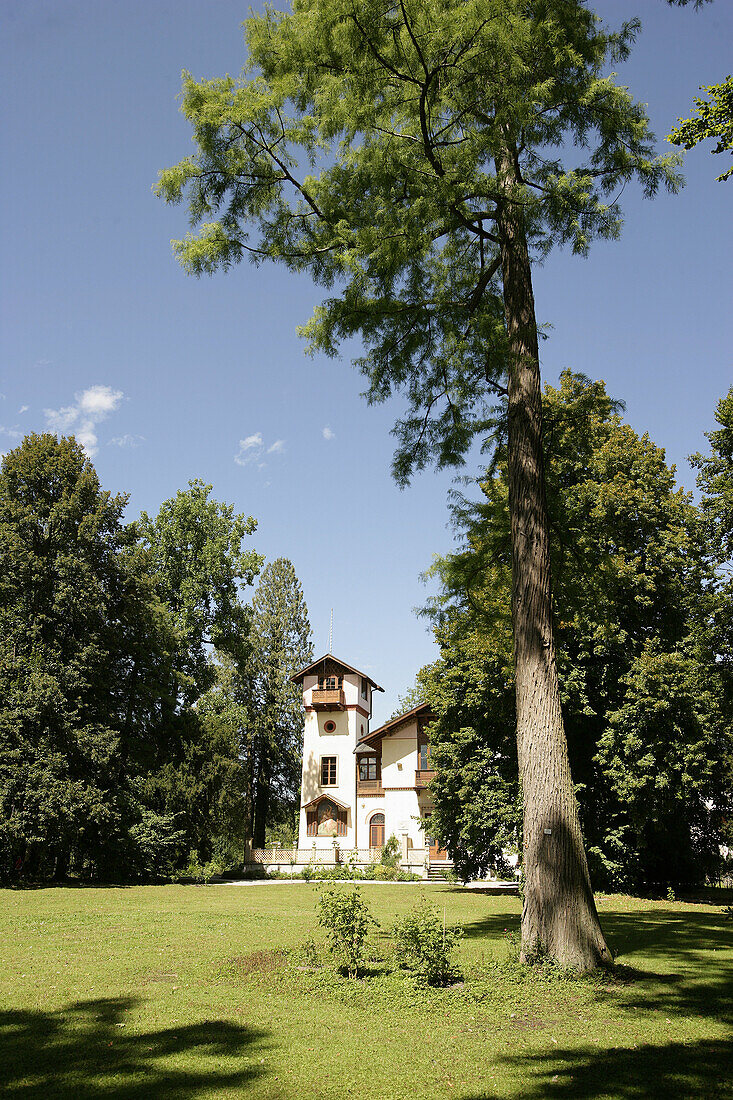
{"points": [[167, 378]]}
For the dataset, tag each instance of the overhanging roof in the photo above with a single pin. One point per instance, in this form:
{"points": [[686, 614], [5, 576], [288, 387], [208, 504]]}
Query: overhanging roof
{"points": [[320, 797], [423, 710], [330, 657]]}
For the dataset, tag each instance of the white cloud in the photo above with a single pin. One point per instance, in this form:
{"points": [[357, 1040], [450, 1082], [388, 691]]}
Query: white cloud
{"points": [[60, 420], [251, 441], [98, 401], [23, 409], [12, 433], [253, 450], [327, 433], [126, 440], [92, 405]]}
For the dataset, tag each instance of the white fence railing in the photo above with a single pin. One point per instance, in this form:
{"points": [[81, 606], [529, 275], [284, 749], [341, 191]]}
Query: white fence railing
{"points": [[331, 857]]}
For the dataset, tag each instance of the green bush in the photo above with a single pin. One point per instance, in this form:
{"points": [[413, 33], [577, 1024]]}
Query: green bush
{"points": [[347, 920], [155, 843], [423, 944], [390, 856], [197, 871]]}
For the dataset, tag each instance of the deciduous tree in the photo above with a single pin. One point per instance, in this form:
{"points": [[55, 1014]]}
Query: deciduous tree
{"points": [[84, 663], [639, 636], [714, 120], [196, 546]]}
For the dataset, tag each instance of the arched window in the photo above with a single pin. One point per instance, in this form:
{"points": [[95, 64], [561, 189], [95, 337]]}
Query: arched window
{"points": [[376, 831]]}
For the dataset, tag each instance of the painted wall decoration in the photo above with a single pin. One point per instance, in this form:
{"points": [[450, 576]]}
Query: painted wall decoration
{"points": [[327, 819]]}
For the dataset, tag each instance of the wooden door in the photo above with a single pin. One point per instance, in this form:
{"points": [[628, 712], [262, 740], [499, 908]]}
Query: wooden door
{"points": [[436, 852], [434, 849], [376, 831]]}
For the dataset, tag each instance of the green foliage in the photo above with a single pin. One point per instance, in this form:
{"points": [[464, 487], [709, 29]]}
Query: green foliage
{"points": [[714, 120], [256, 708], [639, 633], [715, 480], [391, 854], [198, 871], [84, 662], [347, 920], [423, 944], [362, 143], [195, 544], [280, 645], [106, 767], [156, 842]]}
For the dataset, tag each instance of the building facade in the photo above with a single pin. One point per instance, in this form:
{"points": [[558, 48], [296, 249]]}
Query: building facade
{"points": [[361, 786]]}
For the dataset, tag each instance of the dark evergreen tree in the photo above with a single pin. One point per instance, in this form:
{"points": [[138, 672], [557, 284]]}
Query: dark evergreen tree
{"points": [[84, 660], [281, 646]]}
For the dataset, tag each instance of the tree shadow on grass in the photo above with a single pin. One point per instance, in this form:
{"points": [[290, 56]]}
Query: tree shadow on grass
{"points": [[671, 1071], [680, 943], [84, 1051], [668, 960]]}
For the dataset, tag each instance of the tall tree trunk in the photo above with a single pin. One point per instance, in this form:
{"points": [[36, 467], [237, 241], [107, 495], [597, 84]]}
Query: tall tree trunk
{"points": [[559, 916], [262, 794], [248, 797]]}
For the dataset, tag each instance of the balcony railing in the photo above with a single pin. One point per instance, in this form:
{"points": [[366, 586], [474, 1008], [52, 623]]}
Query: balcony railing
{"points": [[423, 777], [369, 786], [332, 699]]}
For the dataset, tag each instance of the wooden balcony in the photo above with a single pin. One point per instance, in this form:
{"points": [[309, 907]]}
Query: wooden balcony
{"points": [[328, 700], [422, 778], [369, 786]]}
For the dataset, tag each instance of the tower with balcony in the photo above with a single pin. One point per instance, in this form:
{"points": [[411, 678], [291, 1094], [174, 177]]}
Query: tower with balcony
{"points": [[338, 705]]}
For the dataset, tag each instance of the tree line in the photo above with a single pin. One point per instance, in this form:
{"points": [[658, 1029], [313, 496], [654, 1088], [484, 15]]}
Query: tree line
{"points": [[146, 711], [643, 612]]}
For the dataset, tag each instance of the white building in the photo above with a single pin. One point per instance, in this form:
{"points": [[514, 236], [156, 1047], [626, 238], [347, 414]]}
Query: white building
{"points": [[359, 786]]}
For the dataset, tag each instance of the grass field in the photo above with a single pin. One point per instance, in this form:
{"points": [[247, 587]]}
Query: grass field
{"points": [[183, 991]]}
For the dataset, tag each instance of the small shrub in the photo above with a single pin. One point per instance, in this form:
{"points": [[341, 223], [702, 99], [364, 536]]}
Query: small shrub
{"points": [[347, 920], [390, 856], [423, 944]]}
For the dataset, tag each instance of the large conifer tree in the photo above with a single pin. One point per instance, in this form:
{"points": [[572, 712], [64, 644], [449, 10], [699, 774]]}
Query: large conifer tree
{"points": [[415, 155]]}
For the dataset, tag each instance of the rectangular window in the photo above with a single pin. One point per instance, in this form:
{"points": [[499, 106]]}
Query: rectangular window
{"points": [[367, 767], [424, 757], [328, 771], [364, 688]]}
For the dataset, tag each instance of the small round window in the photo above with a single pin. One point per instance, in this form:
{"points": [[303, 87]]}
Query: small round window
{"points": [[329, 727]]}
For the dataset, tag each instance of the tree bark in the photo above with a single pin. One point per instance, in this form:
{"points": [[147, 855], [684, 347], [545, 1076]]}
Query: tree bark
{"points": [[559, 916], [248, 815], [262, 795]]}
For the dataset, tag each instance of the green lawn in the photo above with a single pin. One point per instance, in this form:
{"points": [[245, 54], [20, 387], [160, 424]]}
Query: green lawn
{"points": [[184, 991]]}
